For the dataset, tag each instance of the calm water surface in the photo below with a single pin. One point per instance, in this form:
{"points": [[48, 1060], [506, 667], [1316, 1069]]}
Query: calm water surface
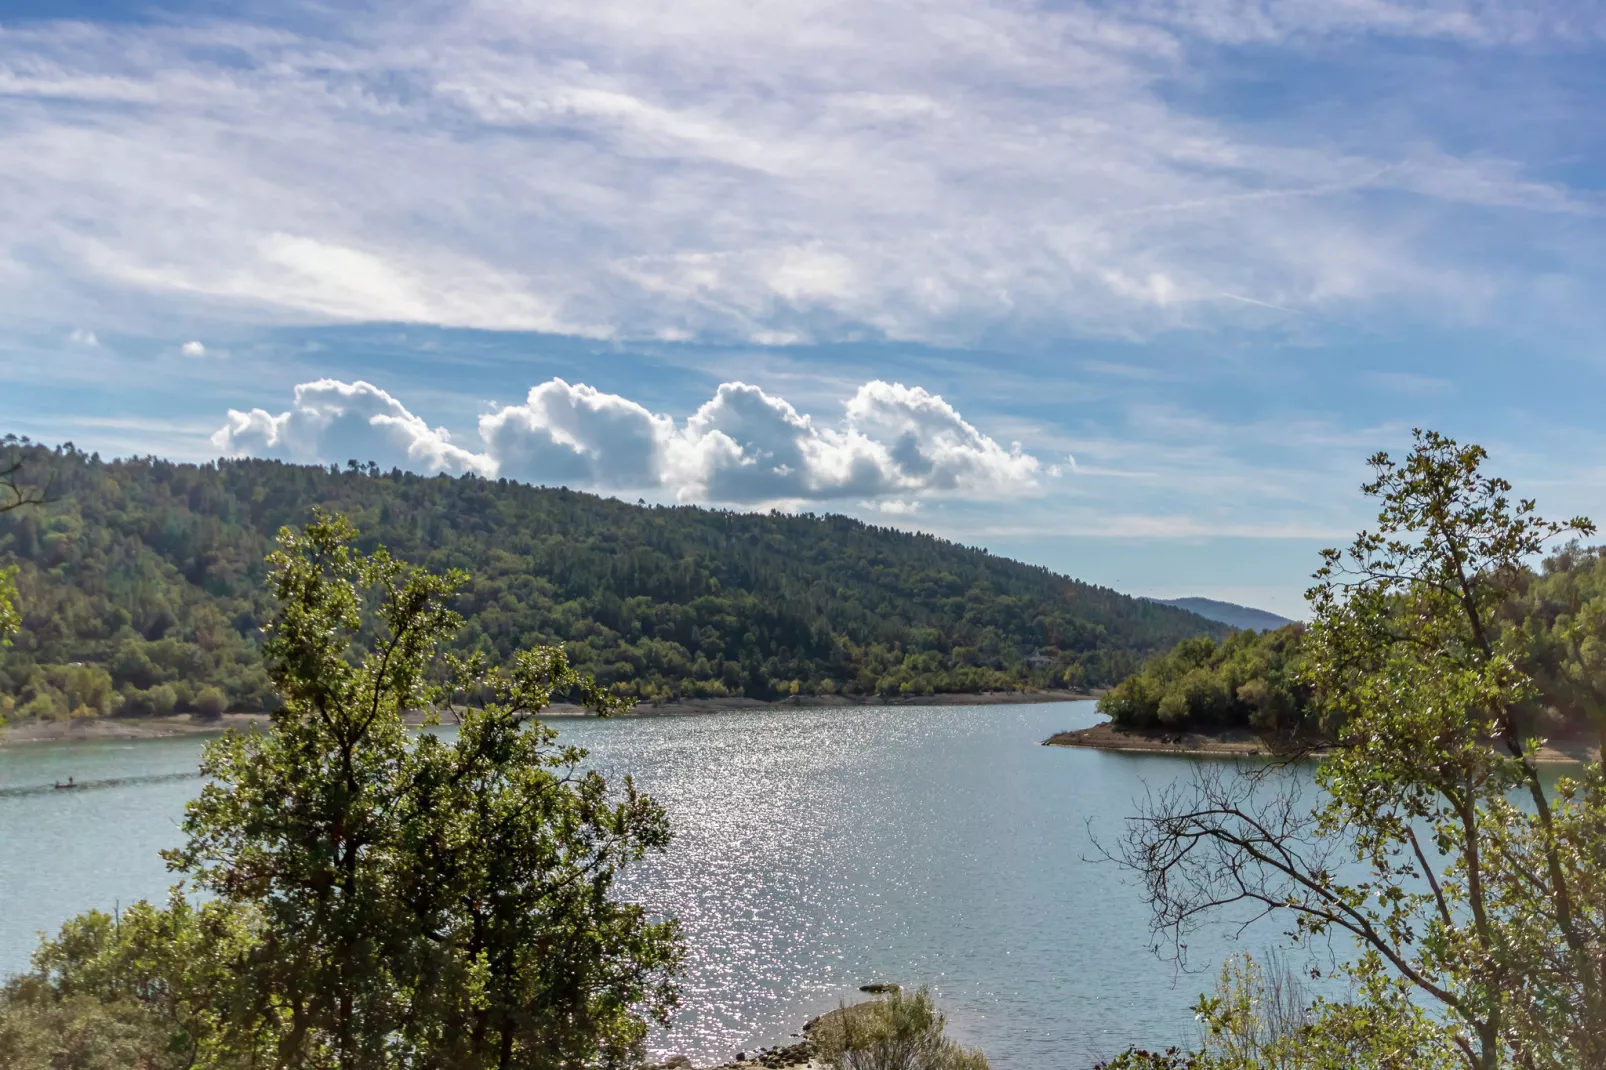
{"points": [[817, 849]]}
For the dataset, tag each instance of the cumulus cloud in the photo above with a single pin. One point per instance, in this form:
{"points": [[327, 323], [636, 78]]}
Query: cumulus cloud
{"points": [[743, 446], [929, 442], [577, 434], [335, 421], [192, 349]]}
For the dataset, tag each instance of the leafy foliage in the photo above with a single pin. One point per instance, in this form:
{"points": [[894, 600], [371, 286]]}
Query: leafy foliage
{"points": [[1471, 885], [902, 1031], [1554, 625], [147, 576], [376, 897], [10, 618], [1550, 622], [1261, 1018], [13, 495], [1249, 679], [149, 989]]}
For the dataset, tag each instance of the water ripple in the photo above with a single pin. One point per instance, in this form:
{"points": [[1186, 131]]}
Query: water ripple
{"points": [[815, 850]]}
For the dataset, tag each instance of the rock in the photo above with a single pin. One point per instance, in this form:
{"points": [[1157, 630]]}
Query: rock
{"points": [[780, 1058], [676, 1062], [881, 988]]}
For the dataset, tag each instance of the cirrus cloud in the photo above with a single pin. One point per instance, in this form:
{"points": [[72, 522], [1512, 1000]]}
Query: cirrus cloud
{"points": [[807, 170], [742, 446]]}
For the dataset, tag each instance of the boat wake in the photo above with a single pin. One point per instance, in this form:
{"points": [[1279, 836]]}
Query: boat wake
{"points": [[92, 785]]}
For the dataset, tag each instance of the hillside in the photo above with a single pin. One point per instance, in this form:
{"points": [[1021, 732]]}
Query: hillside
{"points": [[1229, 613], [1552, 623], [141, 590]]}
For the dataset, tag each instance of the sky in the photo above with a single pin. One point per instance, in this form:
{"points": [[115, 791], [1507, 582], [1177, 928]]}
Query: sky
{"points": [[1127, 289]]}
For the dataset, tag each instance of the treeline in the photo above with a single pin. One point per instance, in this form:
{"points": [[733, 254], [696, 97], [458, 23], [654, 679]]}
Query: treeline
{"points": [[1552, 622], [1247, 680], [140, 589]]}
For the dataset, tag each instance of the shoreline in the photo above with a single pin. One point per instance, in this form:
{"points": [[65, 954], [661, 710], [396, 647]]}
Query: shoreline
{"points": [[685, 707], [1245, 743], [801, 1055], [104, 728], [1228, 743]]}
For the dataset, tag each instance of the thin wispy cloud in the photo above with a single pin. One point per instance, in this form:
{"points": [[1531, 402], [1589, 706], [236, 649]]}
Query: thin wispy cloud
{"points": [[778, 173]]}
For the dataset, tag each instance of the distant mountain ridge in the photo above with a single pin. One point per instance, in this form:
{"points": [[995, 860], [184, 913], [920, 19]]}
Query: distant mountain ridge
{"points": [[1228, 613]]}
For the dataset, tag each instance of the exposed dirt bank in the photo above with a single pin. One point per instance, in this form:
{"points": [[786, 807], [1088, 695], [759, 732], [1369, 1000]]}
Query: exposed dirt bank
{"points": [[723, 705], [1243, 743], [184, 724]]}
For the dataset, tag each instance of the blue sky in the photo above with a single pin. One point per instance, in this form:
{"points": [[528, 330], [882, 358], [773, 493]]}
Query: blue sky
{"points": [[1126, 289]]}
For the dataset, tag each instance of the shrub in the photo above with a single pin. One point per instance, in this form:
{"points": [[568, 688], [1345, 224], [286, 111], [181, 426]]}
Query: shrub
{"points": [[211, 702], [1170, 1059], [41, 1030], [155, 702], [900, 1032]]}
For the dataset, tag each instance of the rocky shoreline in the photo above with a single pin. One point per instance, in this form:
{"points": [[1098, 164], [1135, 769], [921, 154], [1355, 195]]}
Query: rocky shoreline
{"points": [[1107, 735], [799, 1056], [183, 724], [1245, 743]]}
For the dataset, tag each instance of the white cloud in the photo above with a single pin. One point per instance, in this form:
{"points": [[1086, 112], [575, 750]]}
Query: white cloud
{"points": [[332, 421], [743, 446], [577, 434], [929, 443], [192, 349], [83, 337], [820, 169]]}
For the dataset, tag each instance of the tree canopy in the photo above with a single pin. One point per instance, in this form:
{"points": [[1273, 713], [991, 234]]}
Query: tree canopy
{"points": [[1250, 679], [1463, 885], [375, 898], [142, 590], [1549, 618]]}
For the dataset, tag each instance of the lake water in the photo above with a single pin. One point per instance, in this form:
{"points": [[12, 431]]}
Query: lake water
{"points": [[817, 850]]}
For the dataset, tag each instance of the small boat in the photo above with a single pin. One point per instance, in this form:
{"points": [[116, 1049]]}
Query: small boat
{"points": [[63, 787]]}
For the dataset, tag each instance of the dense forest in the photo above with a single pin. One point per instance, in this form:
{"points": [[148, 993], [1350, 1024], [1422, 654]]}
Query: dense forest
{"points": [[1552, 622], [140, 585]]}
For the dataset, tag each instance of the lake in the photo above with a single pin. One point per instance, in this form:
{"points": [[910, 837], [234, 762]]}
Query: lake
{"points": [[817, 850]]}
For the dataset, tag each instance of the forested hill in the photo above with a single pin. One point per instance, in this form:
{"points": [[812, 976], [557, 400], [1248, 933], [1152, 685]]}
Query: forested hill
{"points": [[141, 590]]}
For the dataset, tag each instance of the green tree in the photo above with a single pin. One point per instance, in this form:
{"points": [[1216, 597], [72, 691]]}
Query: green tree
{"points": [[1556, 619], [1466, 882], [418, 901], [1248, 680], [10, 618], [13, 495], [150, 989]]}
